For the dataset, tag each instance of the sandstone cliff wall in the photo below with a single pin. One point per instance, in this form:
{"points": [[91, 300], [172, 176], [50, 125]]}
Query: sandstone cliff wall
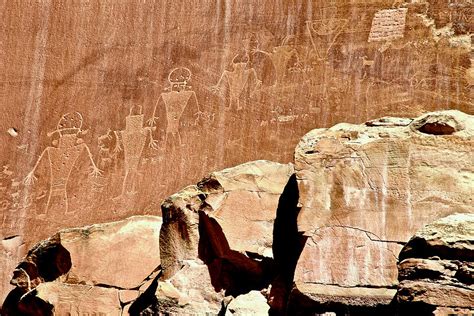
{"points": [[109, 107]]}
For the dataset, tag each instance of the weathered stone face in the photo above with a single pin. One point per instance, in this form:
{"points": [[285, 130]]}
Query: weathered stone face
{"points": [[109, 108], [227, 221], [98, 268], [364, 189], [437, 264]]}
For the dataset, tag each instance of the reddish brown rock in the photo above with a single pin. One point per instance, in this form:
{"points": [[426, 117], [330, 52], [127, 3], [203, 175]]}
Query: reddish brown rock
{"points": [[229, 215], [189, 292], [67, 299], [105, 111], [10, 250], [228, 221], [365, 189]]}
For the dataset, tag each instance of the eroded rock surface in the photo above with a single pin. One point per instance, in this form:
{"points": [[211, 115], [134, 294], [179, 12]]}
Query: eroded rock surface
{"points": [[437, 266], [228, 221], [98, 268], [105, 111], [365, 189]]}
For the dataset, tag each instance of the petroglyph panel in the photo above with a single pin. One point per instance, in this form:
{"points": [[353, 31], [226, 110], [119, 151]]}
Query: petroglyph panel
{"points": [[388, 25], [108, 113]]}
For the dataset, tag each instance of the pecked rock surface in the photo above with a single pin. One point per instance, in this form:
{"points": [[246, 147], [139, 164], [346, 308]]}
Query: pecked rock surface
{"points": [[365, 189], [98, 268], [436, 269]]}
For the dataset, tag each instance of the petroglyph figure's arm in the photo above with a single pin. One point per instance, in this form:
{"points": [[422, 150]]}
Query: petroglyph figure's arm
{"points": [[217, 88], [118, 142], [95, 171], [30, 178], [152, 121], [198, 114], [254, 78], [153, 144]]}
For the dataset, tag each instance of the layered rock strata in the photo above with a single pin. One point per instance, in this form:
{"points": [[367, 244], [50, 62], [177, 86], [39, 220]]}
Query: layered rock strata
{"points": [[436, 269]]}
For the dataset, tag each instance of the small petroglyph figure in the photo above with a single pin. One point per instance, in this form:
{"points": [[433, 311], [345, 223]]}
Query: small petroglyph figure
{"points": [[132, 141], [178, 97], [324, 33], [62, 158], [237, 81], [367, 64], [109, 148], [285, 58]]}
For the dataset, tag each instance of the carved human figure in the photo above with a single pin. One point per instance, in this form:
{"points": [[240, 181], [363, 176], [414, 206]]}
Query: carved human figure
{"points": [[285, 57], [132, 140], [62, 158], [178, 99], [239, 80]]}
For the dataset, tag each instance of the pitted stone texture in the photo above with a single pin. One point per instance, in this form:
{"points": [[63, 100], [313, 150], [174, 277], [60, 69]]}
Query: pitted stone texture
{"points": [[246, 202], [388, 178], [90, 269], [252, 303], [347, 256], [73, 299]]}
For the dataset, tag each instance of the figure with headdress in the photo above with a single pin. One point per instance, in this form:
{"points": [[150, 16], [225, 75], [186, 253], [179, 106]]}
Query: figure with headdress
{"points": [[132, 140], [62, 157], [177, 106], [240, 82], [286, 58]]}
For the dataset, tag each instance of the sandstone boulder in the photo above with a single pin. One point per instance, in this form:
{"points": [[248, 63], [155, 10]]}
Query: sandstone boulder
{"points": [[437, 264], [252, 303], [189, 292], [365, 189], [227, 220], [97, 268]]}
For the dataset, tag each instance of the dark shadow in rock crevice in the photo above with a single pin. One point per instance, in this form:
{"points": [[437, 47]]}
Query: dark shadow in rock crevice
{"points": [[45, 262], [288, 244], [50, 259], [19, 303], [146, 302], [230, 270]]}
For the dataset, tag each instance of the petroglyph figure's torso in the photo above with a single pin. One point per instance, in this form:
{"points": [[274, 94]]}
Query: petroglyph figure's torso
{"points": [[134, 138], [175, 104], [238, 80]]}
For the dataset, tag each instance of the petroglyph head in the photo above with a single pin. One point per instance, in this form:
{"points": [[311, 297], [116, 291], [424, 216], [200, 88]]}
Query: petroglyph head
{"points": [[69, 123], [179, 79]]}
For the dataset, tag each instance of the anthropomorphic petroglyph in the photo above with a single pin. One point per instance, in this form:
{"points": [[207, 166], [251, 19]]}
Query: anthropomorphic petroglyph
{"points": [[285, 58], [240, 80], [109, 148], [132, 140], [172, 104], [260, 60], [62, 158]]}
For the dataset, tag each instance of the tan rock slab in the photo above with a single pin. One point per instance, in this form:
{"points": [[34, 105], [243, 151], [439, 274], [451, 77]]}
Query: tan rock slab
{"points": [[120, 254], [385, 179], [70, 299]]}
